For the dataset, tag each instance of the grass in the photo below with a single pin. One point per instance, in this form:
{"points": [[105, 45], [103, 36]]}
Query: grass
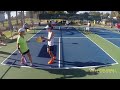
{"points": [[9, 34]]}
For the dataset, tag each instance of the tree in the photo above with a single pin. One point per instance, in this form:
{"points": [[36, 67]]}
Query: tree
{"points": [[86, 15], [22, 18], [106, 15], [16, 18], [95, 15], [9, 20], [114, 14], [55, 12], [2, 18], [118, 15], [72, 12], [27, 14], [119, 12], [92, 13], [31, 14]]}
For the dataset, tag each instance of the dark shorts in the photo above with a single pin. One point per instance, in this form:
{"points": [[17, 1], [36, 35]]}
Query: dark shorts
{"points": [[26, 52], [51, 48]]}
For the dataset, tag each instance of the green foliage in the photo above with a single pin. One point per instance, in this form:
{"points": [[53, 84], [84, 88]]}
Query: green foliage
{"points": [[72, 12]]}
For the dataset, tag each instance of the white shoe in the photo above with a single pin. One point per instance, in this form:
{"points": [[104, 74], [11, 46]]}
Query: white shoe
{"points": [[31, 64]]}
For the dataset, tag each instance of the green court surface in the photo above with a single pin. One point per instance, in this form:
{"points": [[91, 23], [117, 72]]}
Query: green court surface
{"points": [[109, 72]]}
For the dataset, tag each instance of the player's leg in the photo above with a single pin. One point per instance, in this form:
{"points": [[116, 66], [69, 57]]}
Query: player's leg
{"points": [[29, 56], [88, 29], [50, 51], [22, 59]]}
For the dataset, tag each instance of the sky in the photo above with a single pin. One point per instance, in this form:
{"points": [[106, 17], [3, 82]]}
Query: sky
{"points": [[14, 13], [99, 11]]}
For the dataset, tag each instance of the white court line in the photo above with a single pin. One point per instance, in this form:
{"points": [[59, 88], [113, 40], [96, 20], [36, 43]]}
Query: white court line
{"points": [[109, 41], [104, 51], [16, 50], [59, 53]]}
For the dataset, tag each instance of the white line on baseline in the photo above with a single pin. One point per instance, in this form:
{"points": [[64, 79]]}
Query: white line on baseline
{"points": [[104, 51], [59, 53], [16, 50]]}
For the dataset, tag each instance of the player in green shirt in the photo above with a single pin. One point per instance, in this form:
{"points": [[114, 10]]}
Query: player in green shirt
{"points": [[22, 46]]}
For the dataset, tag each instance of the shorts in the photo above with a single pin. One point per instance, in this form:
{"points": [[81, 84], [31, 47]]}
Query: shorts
{"points": [[26, 52], [51, 48]]}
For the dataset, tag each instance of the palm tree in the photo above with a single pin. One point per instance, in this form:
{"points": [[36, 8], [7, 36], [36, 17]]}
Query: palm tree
{"points": [[3, 12], [23, 15], [16, 18], [31, 15], [22, 18], [9, 20]]}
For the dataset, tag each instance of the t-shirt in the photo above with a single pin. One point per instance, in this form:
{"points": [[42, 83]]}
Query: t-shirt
{"points": [[67, 22], [22, 44], [51, 42], [89, 24]]}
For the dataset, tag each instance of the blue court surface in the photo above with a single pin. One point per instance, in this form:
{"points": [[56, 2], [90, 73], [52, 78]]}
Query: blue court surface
{"points": [[107, 34], [72, 49]]}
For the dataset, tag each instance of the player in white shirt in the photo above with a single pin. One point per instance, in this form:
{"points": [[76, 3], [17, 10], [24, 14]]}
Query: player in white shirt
{"points": [[67, 24], [88, 26], [50, 47]]}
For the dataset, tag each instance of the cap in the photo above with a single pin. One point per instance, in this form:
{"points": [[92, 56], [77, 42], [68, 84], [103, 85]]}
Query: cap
{"points": [[21, 30], [48, 26]]}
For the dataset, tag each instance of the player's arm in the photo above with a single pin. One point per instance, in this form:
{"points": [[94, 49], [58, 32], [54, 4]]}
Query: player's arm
{"points": [[50, 37], [18, 47]]}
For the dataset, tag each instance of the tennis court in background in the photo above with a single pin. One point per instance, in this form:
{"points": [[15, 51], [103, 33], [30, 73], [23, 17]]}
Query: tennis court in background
{"points": [[72, 49], [108, 35]]}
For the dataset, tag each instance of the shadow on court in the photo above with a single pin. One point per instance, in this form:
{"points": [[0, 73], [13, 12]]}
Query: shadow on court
{"points": [[84, 64], [3, 52], [70, 73], [44, 53], [11, 40], [7, 53]]}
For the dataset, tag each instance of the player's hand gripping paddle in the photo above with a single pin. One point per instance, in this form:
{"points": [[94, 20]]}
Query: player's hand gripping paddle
{"points": [[40, 39]]}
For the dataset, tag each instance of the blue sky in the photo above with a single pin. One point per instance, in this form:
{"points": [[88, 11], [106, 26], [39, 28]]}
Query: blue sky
{"points": [[14, 13]]}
